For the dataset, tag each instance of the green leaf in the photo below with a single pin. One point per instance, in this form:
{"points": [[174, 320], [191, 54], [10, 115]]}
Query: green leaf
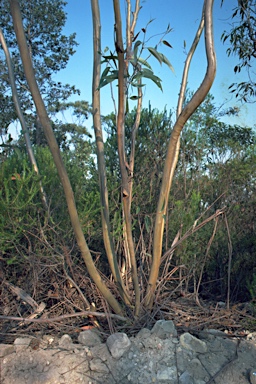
{"points": [[137, 85], [107, 58], [110, 57], [156, 54], [147, 223], [147, 73], [167, 62], [108, 79], [150, 21], [135, 51], [105, 72], [144, 62]]}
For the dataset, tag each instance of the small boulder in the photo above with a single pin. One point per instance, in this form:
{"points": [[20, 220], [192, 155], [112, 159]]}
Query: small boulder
{"points": [[98, 365], [192, 343], [22, 343], [118, 344], [144, 333], [89, 338], [65, 342], [164, 329], [6, 349]]}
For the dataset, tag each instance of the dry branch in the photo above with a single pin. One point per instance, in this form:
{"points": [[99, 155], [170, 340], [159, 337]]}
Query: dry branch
{"points": [[60, 318]]}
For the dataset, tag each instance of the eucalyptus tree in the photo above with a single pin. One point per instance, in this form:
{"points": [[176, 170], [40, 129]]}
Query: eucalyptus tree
{"points": [[129, 290], [183, 114]]}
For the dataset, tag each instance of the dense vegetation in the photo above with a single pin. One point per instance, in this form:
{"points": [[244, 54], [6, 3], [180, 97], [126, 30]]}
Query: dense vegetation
{"points": [[147, 223], [216, 170]]}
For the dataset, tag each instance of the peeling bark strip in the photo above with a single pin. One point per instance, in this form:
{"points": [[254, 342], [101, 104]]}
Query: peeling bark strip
{"points": [[171, 157]]}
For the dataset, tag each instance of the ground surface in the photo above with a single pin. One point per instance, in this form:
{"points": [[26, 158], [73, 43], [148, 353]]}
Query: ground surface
{"points": [[149, 357], [194, 349]]}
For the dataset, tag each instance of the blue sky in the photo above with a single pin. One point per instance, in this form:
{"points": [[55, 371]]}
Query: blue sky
{"points": [[183, 17]]}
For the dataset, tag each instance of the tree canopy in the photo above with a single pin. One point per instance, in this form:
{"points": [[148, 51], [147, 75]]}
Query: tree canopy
{"points": [[50, 51], [242, 41]]}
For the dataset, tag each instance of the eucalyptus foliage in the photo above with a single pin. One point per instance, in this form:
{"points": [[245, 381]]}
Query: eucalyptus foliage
{"points": [[242, 41], [50, 51]]}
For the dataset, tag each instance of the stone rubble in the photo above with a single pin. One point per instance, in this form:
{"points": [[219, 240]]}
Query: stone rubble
{"points": [[152, 356]]}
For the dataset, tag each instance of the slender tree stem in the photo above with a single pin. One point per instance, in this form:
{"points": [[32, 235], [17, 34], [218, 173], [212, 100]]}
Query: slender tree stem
{"points": [[108, 241], [121, 150], [172, 152]]}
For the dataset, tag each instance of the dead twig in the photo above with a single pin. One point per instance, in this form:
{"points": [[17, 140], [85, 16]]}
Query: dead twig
{"points": [[37, 312], [22, 295], [60, 318], [192, 230]]}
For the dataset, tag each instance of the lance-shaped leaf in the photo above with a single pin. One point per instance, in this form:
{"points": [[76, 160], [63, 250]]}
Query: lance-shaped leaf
{"points": [[135, 50], [144, 62], [137, 85], [106, 79], [166, 61], [155, 53], [105, 72], [107, 59], [147, 73], [160, 57]]}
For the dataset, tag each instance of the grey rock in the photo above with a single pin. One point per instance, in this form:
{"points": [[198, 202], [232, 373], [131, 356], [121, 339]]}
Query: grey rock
{"points": [[164, 329], [192, 343], [21, 343], [89, 338], [65, 342], [196, 369], [253, 376], [6, 349], [101, 351], [118, 344], [144, 333], [167, 374], [186, 378], [98, 365]]}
